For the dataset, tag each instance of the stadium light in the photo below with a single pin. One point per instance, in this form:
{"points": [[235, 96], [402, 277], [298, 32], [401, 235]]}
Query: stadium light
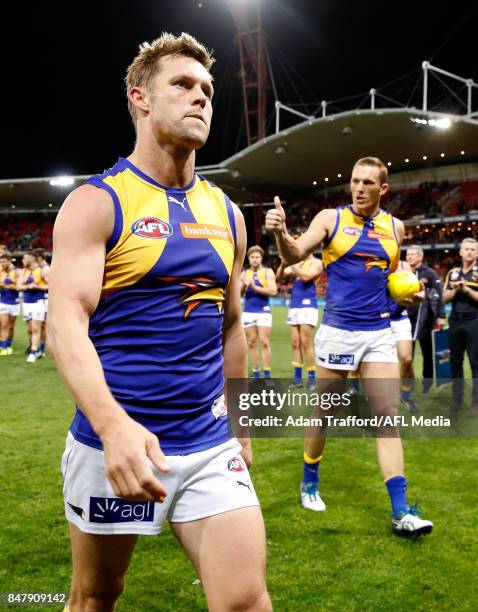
{"points": [[462, 152], [326, 179], [314, 183], [339, 175], [442, 123], [424, 157], [406, 160], [442, 154], [389, 163], [62, 181]]}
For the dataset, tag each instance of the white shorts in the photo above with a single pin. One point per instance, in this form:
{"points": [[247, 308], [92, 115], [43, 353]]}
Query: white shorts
{"points": [[34, 311], [13, 310], [303, 316], [341, 349], [259, 319], [401, 329], [45, 302], [199, 485]]}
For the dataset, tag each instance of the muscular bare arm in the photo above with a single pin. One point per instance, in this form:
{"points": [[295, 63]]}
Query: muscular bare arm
{"points": [[234, 338], [81, 231], [315, 270], [294, 250]]}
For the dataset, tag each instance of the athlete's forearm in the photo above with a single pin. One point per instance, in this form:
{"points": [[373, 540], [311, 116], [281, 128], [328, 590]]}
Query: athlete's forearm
{"points": [[80, 367], [288, 248], [448, 295], [270, 291], [235, 352], [471, 293], [280, 272], [305, 276]]}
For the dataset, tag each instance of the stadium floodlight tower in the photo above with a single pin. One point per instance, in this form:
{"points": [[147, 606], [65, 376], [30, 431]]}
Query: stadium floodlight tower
{"points": [[254, 76], [252, 54]]}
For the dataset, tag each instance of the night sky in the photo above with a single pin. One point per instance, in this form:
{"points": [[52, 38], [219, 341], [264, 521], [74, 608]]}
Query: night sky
{"points": [[63, 104]]}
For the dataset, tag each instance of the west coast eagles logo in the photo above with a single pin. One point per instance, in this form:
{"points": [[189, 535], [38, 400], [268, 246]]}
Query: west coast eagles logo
{"points": [[373, 261], [197, 290]]}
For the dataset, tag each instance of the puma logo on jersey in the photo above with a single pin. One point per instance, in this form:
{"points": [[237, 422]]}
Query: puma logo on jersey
{"points": [[176, 201]]}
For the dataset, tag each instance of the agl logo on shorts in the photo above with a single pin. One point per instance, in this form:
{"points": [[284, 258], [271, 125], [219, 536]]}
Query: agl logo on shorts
{"points": [[151, 227], [117, 510], [343, 359]]}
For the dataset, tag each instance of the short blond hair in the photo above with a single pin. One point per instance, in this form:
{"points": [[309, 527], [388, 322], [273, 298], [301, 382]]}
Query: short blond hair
{"points": [[146, 64], [376, 163], [255, 249]]}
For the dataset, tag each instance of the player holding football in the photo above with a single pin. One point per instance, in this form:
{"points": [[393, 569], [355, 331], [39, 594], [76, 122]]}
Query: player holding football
{"points": [[144, 323], [361, 246]]}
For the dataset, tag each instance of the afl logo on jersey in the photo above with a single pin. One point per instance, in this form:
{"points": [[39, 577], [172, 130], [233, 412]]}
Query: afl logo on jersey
{"points": [[151, 227], [352, 231]]}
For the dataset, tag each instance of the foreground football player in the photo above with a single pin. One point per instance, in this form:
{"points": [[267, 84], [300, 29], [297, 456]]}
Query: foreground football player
{"points": [[144, 332], [361, 245]]}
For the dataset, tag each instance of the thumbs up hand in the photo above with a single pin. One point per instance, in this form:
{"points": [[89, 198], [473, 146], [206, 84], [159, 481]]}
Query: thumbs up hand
{"points": [[275, 217]]}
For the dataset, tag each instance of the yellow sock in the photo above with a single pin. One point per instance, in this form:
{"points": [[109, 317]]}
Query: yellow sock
{"points": [[311, 461]]}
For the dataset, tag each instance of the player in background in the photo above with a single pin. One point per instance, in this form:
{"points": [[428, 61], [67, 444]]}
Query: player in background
{"points": [[9, 302], [303, 314], [31, 282], [145, 326], [402, 335], [427, 315], [258, 283], [361, 246], [45, 271]]}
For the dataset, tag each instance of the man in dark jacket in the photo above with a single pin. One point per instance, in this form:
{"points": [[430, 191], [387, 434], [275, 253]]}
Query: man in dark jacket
{"points": [[461, 289], [430, 312]]}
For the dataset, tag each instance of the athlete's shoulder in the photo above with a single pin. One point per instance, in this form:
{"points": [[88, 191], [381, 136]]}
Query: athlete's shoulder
{"points": [[118, 167], [399, 227], [86, 211], [326, 218]]}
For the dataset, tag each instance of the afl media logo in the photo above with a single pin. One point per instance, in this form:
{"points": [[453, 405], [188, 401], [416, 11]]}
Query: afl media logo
{"points": [[151, 227]]}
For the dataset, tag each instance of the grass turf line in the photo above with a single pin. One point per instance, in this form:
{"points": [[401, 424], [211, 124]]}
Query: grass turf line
{"points": [[343, 559]]}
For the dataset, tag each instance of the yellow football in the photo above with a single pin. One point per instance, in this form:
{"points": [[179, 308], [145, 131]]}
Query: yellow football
{"points": [[402, 285]]}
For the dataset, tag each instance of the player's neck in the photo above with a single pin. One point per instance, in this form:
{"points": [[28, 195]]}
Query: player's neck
{"points": [[167, 165], [369, 211], [466, 267]]}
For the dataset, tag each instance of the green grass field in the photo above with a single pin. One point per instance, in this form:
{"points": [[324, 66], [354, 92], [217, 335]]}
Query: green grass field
{"points": [[343, 559]]}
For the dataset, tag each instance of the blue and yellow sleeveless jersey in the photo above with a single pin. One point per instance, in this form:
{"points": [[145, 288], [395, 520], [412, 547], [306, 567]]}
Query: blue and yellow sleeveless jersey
{"points": [[158, 326], [7, 295], [31, 296], [254, 302], [358, 257], [45, 271], [304, 293], [396, 310]]}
